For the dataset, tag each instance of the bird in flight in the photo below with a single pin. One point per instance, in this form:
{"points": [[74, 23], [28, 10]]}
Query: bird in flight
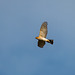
{"points": [[42, 36]]}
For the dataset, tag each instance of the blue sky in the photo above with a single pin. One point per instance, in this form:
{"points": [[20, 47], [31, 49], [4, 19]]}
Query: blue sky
{"points": [[20, 22]]}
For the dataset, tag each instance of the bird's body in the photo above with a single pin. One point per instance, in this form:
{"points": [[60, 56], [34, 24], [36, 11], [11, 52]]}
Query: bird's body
{"points": [[42, 36]]}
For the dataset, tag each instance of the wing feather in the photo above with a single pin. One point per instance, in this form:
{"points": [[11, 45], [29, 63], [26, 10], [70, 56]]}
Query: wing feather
{"points": [[43, 30], [41, 43]]}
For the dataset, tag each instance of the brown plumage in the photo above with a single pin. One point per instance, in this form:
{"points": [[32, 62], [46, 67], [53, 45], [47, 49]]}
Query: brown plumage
{"points": [[42, 36]]}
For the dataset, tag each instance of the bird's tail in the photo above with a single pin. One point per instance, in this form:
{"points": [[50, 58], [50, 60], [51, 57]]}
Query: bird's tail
{"points": [[50, 41]]}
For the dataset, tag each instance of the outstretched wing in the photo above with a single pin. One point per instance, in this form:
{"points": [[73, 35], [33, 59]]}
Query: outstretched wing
{"points": [[41, 43], [43, 30]]}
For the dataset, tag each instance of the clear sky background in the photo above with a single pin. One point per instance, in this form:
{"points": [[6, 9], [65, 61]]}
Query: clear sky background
{"points": [[20, 22]]}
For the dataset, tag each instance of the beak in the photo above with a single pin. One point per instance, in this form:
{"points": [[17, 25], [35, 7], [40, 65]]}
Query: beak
{"points": [[36, 37]]}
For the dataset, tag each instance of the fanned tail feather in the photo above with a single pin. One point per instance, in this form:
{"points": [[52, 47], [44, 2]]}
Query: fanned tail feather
{"points": [[50, 41]]}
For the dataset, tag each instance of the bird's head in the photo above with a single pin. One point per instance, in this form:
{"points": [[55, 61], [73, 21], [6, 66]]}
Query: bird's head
{"points": [[36, 37]]}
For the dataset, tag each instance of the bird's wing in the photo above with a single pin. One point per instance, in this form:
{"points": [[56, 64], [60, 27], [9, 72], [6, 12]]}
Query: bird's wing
{"points": [[41, 43], [43, 30]]}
